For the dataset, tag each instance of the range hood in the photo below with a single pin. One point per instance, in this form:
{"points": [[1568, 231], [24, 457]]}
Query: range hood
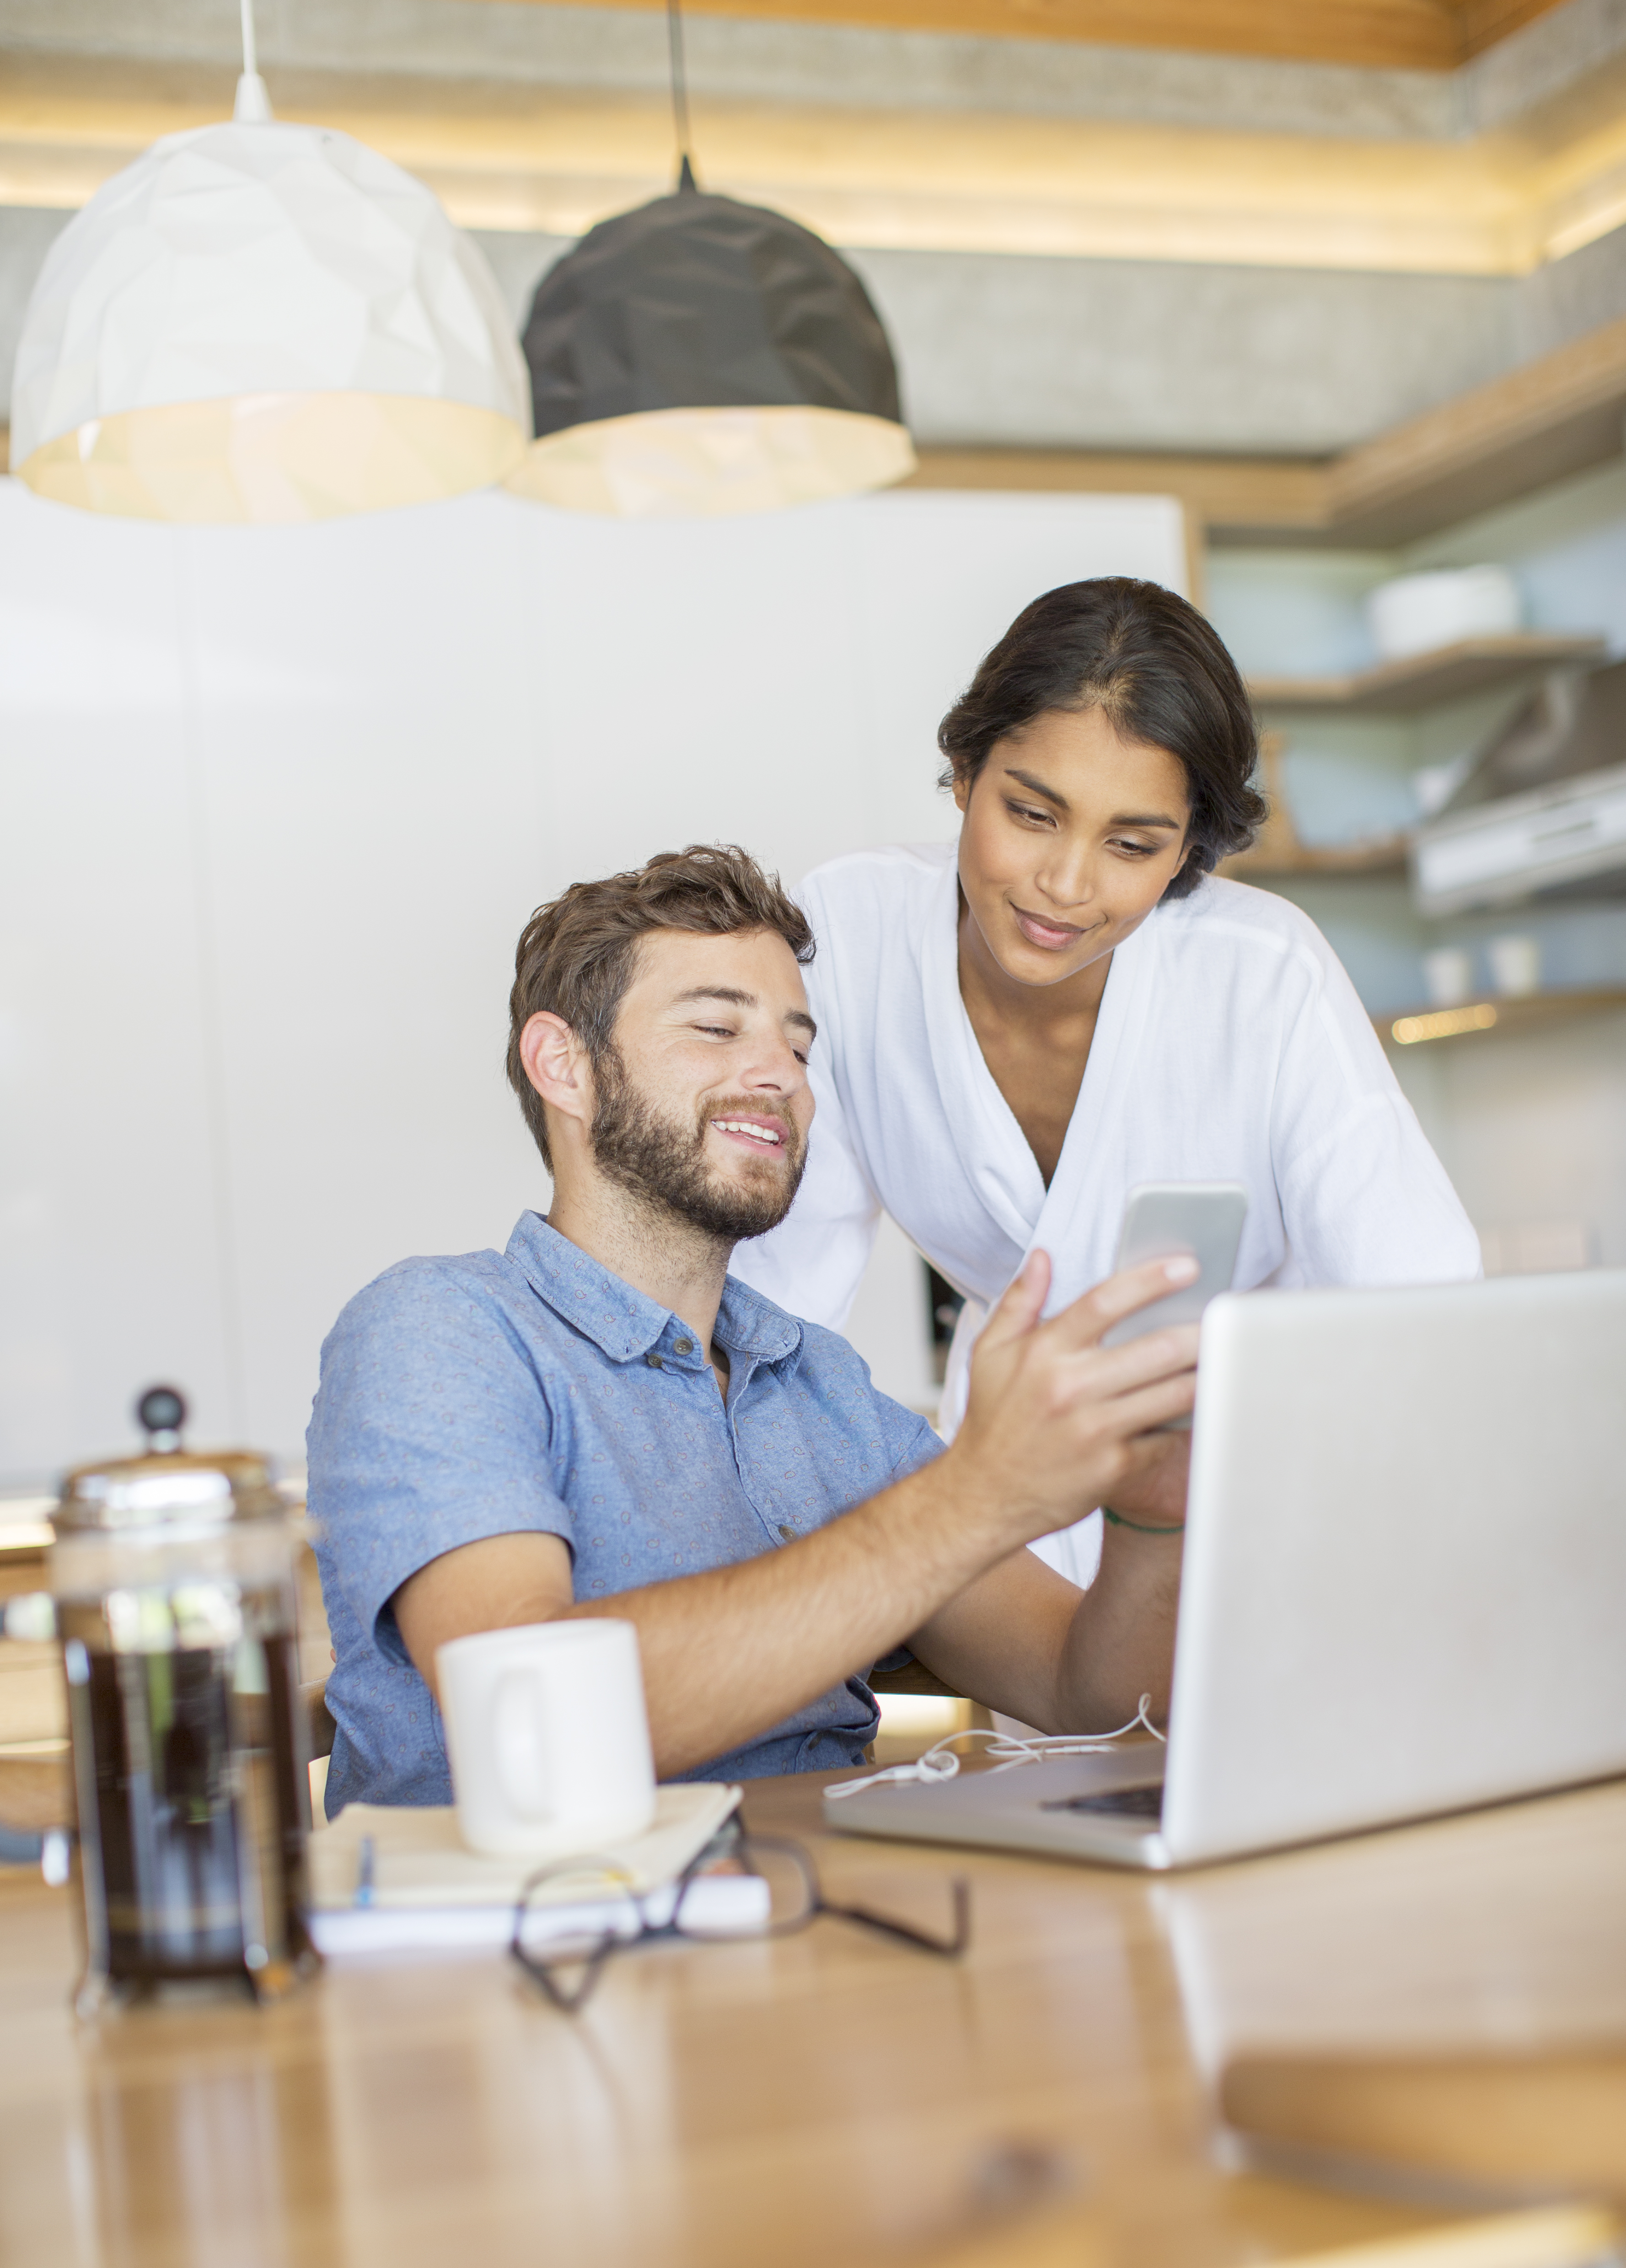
{"points": [[1568, 841], [1542, 813]]}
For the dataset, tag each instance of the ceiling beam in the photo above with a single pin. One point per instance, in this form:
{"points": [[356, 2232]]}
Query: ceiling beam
{"points": [[1287, 495], [1432, 35], [552, 161]]}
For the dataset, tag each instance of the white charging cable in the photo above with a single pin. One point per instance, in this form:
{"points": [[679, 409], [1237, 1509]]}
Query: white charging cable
{"points": [[1005, 1751]]}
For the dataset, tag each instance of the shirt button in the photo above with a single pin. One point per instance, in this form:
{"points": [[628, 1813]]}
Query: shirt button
{"points": [[654, 1361], [789, 1534], [682, 1346]]}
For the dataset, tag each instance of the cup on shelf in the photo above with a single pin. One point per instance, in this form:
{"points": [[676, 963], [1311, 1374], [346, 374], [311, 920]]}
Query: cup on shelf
{"points": [[1515, 965], [1447, 976]]}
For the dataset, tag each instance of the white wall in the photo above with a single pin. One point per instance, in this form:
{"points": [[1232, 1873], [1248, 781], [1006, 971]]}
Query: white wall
{"points": [[274, 806], [1532, 1129]]}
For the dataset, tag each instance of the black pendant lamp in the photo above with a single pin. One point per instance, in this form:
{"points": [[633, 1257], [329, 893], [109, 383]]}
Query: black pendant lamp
{"points": [[699, 356]]}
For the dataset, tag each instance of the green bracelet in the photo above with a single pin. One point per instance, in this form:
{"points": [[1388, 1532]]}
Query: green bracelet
{"points": [[1140, 1525]]}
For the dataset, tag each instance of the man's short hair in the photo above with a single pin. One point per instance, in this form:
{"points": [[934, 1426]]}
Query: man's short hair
{"points": [[576, 955]]}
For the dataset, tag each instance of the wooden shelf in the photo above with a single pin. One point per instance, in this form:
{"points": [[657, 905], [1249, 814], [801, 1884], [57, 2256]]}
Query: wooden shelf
{"points": [[1278, 850], [1556, 416], [1398, 688], [1520, 1012], [1385, 854], [1552, 418]]}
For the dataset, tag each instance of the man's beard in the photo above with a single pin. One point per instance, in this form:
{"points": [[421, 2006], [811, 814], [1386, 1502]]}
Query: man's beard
{"points": [[664, 1163]]}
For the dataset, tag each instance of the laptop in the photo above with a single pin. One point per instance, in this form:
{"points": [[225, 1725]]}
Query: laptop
{"points": [[1404, 1590]]}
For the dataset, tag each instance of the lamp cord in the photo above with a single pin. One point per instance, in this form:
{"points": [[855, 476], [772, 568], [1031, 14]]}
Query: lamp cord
{"points": [[680, 91], [253, 106]]}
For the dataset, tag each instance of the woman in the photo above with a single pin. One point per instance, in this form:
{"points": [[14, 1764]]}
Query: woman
{"points": [[1015, 1031]]}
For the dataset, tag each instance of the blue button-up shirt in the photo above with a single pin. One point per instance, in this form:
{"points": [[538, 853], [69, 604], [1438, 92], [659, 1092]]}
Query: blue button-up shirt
{"points": [[532, 1391]]}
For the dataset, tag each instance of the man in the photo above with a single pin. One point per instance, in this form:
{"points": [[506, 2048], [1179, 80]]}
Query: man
{"points": [[600, 1420]]}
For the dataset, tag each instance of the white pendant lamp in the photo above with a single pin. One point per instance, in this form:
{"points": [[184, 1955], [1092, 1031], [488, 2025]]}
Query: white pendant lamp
{"points": [[269, 323], [700, 357]]}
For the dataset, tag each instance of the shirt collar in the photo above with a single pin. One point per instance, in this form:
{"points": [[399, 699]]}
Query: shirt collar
{"points": [[621, 1320], [747, 1323]]}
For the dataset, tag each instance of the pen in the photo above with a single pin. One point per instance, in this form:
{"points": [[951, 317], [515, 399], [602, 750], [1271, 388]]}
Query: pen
{"points": [[364, 1873]]}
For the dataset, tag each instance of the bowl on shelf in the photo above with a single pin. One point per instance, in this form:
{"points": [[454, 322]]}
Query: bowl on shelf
{"points": [[1415, 614]]}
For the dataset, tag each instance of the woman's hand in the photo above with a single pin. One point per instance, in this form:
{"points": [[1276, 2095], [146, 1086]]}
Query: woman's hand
{"points": [[1156, 1494], [1056, 1423]]}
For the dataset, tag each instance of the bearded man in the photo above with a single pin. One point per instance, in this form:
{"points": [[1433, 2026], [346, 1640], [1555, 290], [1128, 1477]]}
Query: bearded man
{"points": [[600, 1420]]}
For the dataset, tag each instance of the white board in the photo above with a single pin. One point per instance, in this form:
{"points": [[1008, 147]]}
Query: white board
{"points": [[274, 804]]}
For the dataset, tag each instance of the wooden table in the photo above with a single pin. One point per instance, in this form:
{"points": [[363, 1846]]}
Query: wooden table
{"points": [[827, 2099]]}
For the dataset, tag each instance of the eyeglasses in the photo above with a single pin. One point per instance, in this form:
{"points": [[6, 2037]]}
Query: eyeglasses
{"points": [[776, 1893]]}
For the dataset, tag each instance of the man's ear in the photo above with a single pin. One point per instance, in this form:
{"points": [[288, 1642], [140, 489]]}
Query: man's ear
{"points": [[555, 1063]]}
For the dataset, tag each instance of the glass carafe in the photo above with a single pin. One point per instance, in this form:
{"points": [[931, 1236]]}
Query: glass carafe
{"points": [[173, 1575]]}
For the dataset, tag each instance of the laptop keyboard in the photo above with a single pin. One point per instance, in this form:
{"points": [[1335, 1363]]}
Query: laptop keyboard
{"points": [[1123, 1802]]}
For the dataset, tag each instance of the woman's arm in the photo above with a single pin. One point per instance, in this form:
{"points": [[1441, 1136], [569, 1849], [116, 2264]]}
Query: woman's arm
{"points": [[1024, 1640]]}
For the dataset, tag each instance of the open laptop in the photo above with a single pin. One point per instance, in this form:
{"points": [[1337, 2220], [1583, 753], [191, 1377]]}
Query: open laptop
{"points": [[1404, 1590]]}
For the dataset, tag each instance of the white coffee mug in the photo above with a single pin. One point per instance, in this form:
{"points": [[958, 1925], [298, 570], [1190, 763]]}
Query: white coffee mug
{"points": [[548, 1737]]}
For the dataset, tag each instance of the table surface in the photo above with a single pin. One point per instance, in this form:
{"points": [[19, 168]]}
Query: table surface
{"points": [[828, 2098]]}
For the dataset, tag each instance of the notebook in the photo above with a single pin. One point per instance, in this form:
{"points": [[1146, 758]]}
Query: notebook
{"points": [[399, 1878]]}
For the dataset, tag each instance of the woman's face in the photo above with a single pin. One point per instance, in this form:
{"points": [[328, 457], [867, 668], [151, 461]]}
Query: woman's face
{"points": [[1072, 835]]}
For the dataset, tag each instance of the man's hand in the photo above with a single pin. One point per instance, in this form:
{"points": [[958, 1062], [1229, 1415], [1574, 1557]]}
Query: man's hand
{"points": [[1056, 1423]]}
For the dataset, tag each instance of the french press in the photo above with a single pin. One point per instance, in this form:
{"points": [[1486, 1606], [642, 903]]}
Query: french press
{"points": [[173, 1575]]}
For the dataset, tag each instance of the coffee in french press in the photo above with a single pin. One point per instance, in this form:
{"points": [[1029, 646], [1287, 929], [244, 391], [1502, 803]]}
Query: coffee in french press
{"points": [[173, 1575]]}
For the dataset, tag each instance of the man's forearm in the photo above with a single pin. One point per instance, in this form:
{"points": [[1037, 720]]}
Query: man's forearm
{"points": [[1054, 1421], [730, 1652]]}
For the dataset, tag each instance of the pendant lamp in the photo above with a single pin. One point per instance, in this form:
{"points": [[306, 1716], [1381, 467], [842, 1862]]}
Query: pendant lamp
{"points": [[701, 357], [264, 322]]}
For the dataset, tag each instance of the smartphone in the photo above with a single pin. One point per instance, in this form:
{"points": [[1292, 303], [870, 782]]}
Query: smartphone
{"points": [[1162, 1218]]}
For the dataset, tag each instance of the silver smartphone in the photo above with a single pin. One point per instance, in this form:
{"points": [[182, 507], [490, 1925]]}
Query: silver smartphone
{"points": [[1163, 1218]]}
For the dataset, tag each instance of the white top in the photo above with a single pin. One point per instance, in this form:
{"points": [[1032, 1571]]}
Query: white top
{"points": [[1230, 1046]]}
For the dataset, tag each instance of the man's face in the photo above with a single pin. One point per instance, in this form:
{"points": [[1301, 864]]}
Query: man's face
{"points": [[703, 1104]]}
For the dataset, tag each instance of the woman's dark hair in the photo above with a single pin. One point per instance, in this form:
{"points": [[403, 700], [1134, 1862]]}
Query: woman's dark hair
{"points": [[1153, 665]]}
